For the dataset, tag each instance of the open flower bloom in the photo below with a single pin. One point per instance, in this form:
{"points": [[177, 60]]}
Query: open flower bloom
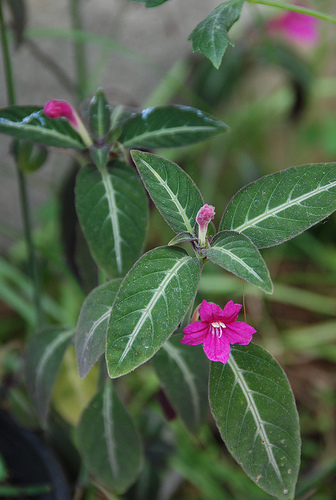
{"points": [[296, 27], [217, 329]]}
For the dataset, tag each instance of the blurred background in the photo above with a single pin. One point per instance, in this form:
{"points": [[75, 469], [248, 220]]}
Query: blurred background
{"points": [[276, 89]]}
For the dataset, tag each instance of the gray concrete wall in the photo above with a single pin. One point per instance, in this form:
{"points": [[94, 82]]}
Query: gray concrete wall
{"points": [[156, 38]]}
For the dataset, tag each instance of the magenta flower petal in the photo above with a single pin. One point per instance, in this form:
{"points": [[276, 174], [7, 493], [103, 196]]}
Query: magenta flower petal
{"points": [[296, 27], [217, 348], [195, 333], [218, 329], [239, 333], [205, 215], [209, 311], [230, 312], [60, 109]]}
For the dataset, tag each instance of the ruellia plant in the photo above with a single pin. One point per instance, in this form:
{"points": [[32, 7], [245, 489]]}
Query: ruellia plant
{"points": [[147, 308]]}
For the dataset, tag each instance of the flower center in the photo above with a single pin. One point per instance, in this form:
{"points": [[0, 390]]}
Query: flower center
{"points": [[217, 328]]}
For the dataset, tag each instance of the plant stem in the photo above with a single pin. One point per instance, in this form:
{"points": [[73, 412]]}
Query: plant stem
{"points": [[6, 58], [296, 8], [79, 48], [21, 177]]}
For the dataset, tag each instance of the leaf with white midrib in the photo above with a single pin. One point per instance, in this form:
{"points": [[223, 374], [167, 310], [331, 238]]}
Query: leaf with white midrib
{"points": [[188, 376], [184, 374], [253, 408], [174, 198], [152, 300], [163, 132], [255, 412], [279, 206], [51, 348], [113, 216], [112, 208], [90, 338], [31, 124], [109, 429], [237, 254], [172, 190], [44, 354], [147, 313], [169, 126], [108, 441]]}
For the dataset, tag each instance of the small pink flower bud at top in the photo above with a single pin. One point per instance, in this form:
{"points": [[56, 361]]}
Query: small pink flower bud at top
{"points": [[204, 216], [61, 109]]}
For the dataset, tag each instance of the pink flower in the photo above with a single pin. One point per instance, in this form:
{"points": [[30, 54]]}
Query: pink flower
{"points": [[296, 27], [218, 329], [203, 217], [61, 109]]}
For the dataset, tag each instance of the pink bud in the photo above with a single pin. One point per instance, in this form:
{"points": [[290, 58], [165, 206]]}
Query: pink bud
{"points": [[204, 216], [61, 109]]}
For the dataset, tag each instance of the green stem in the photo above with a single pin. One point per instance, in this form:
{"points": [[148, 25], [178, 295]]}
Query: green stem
{"points": [[296, 8], [79, 48], [6, 58], [21, 178]]}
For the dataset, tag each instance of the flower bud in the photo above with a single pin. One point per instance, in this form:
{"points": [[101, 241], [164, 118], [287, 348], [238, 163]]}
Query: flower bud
{"points": [[62, 109], [203, 217]]}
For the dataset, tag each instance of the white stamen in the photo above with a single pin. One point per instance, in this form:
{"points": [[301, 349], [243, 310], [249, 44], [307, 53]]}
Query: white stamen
{"points": [[218, 328]]}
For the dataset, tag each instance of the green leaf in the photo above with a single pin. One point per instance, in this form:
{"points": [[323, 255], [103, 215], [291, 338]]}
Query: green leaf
{"points": [[184, 375], [169, 126], [43, 359], [152, 300], [108, 441], [154, 3], [255, 412], [151, 3], [174, 193], [211, 35], [99, 114], [279, 206], [238, 255], [181, 238], [30, 157], [31, 124], [90, 339], [113, 212]]}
